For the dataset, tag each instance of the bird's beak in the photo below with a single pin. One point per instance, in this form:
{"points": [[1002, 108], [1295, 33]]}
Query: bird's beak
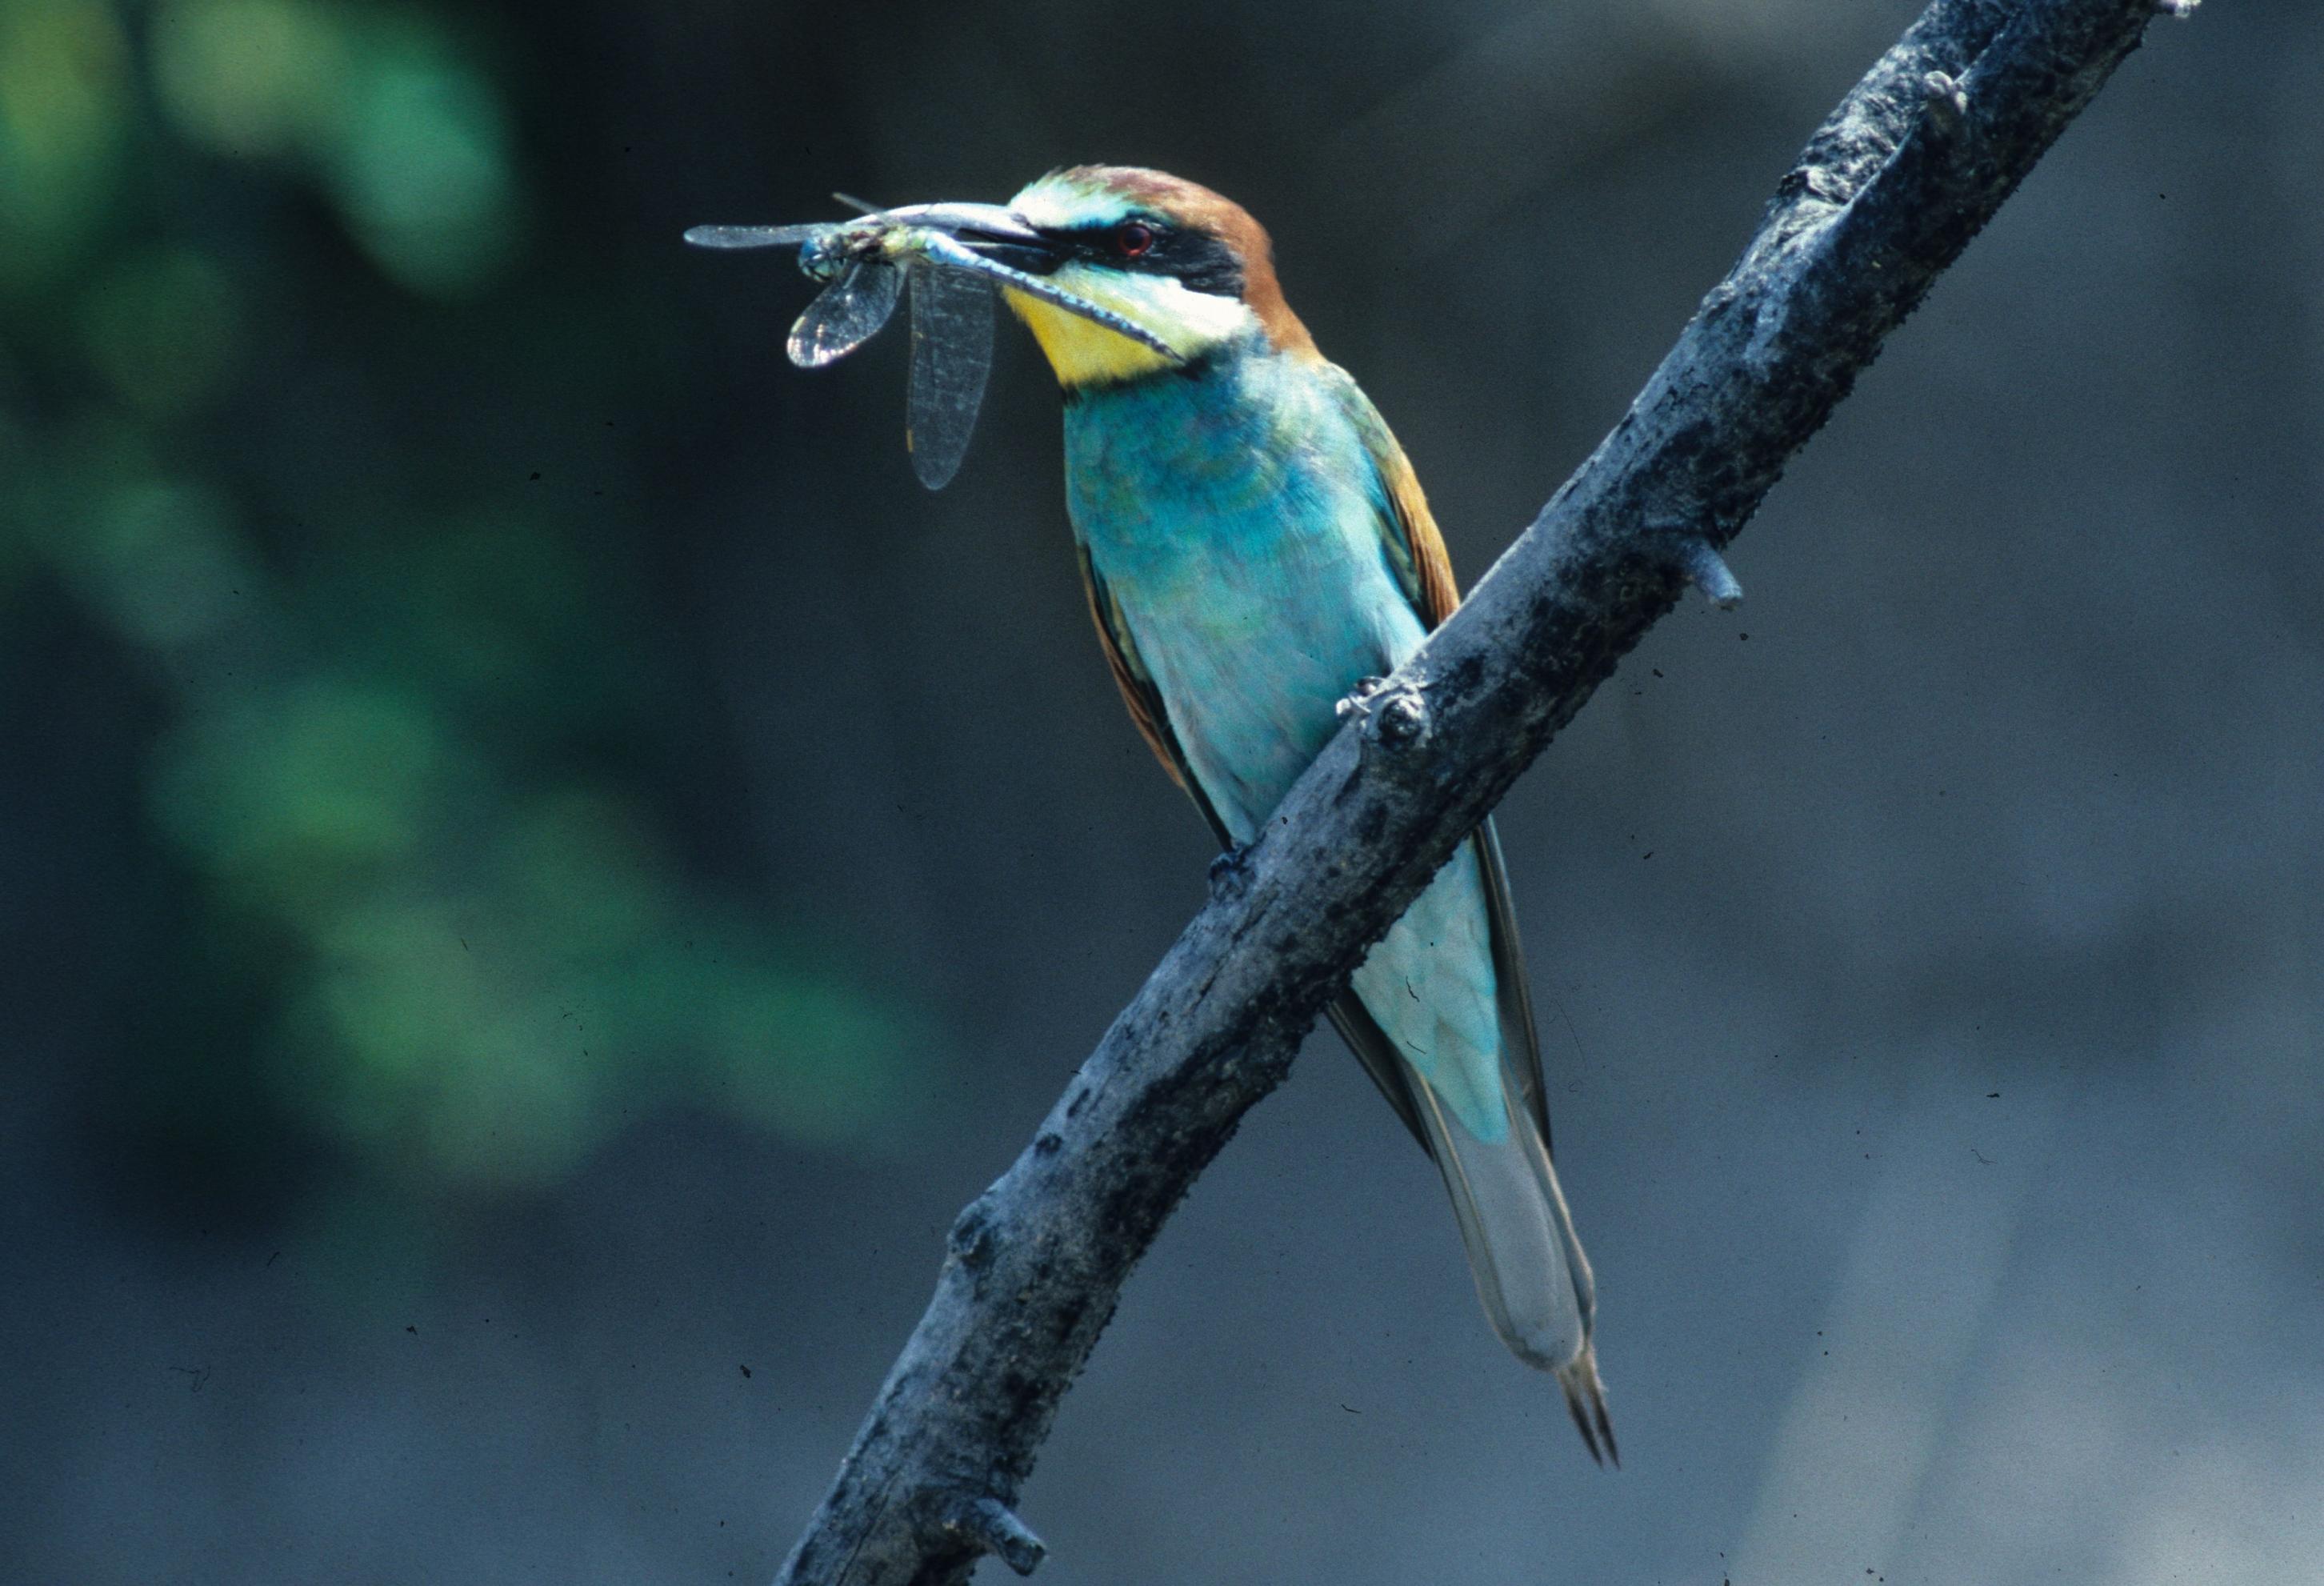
{"points": [[998, 234], [1002, 247]]}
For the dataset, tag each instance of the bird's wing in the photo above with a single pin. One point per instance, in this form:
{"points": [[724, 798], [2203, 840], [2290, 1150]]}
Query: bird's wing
{"points": [[1378, 1053], [1415, 551], [1140, 694]]}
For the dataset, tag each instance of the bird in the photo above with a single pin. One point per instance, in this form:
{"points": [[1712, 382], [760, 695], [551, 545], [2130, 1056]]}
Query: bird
{"points": [[1256, 547]]}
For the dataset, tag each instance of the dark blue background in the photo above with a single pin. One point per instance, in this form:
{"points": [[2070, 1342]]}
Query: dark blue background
{"points": [[1929, 952]]}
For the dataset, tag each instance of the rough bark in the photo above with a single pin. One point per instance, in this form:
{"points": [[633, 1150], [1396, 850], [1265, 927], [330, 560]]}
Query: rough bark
{"points": [[1886, 195]]}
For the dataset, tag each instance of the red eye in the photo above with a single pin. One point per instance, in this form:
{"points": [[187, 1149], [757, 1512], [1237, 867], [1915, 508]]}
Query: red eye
{"points": [[1134, 237]]}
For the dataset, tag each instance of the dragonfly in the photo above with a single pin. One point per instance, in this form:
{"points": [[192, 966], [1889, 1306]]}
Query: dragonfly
{"points": [[951, 257]]}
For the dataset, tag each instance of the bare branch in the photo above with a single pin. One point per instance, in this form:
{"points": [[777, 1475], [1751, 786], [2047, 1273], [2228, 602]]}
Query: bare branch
{"points": [[1886, 194]]}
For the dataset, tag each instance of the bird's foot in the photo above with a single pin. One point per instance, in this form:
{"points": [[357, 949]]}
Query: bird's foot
{"points": [[1397, 717], [1359, 698], [1230, 871]]}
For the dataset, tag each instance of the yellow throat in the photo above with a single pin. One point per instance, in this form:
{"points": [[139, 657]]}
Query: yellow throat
{"points": [[1080, 352]]}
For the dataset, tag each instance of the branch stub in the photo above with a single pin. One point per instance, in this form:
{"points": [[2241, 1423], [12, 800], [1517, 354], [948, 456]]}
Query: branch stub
{"points": [[990, 1525]]}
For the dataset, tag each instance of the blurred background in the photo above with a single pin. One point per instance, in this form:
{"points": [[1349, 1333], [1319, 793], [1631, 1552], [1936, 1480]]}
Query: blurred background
{"points": [[539, 868]]}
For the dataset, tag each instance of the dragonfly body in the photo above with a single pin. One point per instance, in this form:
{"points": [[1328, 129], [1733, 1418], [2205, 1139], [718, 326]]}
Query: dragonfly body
{"points": [[1255, 546]]}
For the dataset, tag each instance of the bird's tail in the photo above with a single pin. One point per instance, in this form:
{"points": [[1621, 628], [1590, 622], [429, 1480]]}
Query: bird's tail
{"points": [[1529, 1267]]}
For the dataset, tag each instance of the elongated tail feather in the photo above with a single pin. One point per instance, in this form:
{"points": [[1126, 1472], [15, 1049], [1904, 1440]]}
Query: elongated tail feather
{"points": [[1531, 1273], [1440, 1016]]}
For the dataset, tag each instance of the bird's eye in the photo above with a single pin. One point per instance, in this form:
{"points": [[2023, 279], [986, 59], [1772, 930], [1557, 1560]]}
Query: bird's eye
{"points": [[1133, 238]]}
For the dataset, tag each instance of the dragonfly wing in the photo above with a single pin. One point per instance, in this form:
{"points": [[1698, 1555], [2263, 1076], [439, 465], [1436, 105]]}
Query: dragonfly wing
{"points": [[757, 236], [847, 314], [952, 350]]}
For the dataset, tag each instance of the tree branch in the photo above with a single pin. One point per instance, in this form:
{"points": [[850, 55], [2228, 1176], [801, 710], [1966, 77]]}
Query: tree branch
{"points": [[1886, 194]]}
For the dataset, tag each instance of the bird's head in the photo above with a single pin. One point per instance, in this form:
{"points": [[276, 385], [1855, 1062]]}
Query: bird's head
{"points": [[1176, 259]]}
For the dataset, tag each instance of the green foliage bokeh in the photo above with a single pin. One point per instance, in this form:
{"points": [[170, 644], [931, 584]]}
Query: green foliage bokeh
{"points": [[272, 343]]}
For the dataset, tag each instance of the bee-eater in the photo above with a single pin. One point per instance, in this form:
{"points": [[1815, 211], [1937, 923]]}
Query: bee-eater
{"points": [[1255, 546]]}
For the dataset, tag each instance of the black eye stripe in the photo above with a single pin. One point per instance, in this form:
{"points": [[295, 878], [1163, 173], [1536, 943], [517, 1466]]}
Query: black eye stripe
{"points": [[1204, 262]]}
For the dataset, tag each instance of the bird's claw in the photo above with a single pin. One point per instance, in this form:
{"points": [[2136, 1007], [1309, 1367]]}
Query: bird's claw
{"points": [[1359, 700]]}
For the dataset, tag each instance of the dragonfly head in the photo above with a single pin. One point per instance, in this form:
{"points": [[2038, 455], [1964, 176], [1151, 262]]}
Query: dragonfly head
{"points": [[1181, 262]]}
